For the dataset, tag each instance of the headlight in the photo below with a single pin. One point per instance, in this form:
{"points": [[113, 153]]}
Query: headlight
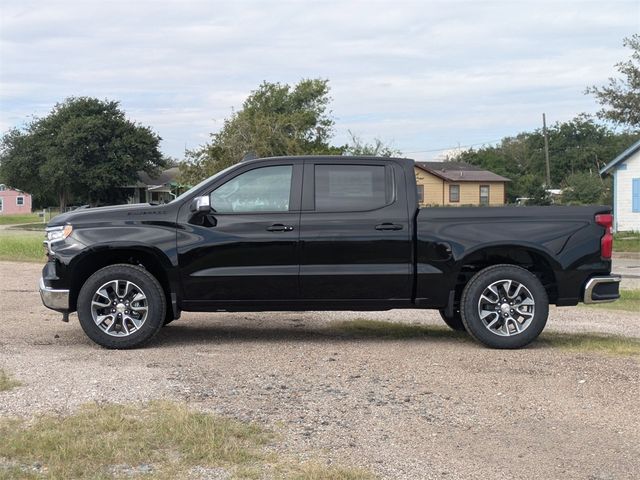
{"points": [[58, 233]]}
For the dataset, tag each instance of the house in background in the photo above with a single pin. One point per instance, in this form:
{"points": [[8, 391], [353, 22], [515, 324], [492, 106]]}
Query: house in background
{"points": [[625, 169], [458, 184], [13, 201], [159, 189]]}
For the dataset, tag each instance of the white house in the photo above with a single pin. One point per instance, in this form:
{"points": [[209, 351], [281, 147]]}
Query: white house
{"points": [[625, 169]]}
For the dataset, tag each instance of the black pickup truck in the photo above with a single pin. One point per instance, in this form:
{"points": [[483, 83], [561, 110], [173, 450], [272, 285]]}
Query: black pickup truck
{"points": [[324, 233]]}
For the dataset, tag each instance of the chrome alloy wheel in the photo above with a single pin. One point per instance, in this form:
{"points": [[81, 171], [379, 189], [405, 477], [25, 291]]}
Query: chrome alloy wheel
{"points": [[119, 308], [506, 308]]}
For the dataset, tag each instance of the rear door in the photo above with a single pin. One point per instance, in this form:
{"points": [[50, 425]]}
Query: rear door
{"points": [[355, 243]]}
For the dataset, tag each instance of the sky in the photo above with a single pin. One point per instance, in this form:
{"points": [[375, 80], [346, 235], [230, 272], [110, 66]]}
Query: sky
{"points": [[424, 76]]}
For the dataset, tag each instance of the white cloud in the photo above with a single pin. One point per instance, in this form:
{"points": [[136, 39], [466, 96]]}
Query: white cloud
{"points": [[425, 74]]}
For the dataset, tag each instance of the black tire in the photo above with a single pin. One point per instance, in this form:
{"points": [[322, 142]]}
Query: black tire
{"points": [[455, 322], [155, 303], [504, 334]]}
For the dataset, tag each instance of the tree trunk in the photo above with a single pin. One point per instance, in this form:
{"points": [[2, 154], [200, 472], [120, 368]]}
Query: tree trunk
{"points": [[62, 197]]}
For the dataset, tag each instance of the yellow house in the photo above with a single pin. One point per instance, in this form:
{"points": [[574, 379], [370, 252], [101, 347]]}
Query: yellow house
{"points": [[458, 184]]}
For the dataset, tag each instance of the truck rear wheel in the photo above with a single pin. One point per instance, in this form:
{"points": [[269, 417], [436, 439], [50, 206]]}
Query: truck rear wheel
{"points": [[504, 306], [121, 306], [454, 322]]}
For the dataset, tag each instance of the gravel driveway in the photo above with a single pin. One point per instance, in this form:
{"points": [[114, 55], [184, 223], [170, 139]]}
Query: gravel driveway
{"points": [[438, 407]]}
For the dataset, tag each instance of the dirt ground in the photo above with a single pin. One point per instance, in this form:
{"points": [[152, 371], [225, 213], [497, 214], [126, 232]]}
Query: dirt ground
{"points": [[416, 408]]}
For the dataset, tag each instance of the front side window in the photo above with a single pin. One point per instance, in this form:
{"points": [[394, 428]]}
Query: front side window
{"points": [[484, 194], [19, 200], [352, 188], [265, 189], [454, 193]]}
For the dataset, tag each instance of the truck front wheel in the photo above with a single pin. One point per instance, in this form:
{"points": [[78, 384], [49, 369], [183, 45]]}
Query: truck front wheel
{"points": [[504, 306], [121, 306]]}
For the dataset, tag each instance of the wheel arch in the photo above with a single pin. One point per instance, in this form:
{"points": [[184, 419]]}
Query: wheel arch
{"points": [[534, 259], [151, 259]]}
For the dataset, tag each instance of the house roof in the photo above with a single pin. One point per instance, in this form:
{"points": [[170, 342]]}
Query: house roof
{"points": [[621, 158], [460, 172], [164, 178]]}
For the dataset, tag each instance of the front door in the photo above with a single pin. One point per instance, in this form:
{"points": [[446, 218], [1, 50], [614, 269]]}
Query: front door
{"points": [[246, 250], [355, 235]]}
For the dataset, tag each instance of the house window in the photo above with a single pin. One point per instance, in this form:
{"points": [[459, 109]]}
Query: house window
{"points": [[421, 194], [1, 204], [484, 194], [454, 193], [2, 187], [635, 195], [19, 201]]}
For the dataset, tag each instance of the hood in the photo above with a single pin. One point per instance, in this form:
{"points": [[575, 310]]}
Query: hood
{"points": [[122, 212]]}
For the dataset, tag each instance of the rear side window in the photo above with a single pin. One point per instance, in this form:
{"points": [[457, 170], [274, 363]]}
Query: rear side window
{"points": [[349, 188]]}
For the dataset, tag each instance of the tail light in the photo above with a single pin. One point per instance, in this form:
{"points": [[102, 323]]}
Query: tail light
{"points": [[606, 242]]}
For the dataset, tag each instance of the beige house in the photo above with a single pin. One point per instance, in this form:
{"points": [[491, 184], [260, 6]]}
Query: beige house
{"points": [[458, 184]]}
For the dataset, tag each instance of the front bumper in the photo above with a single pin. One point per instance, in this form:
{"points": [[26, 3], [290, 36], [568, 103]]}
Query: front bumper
{"points": [[602, 289], [54, 299]]}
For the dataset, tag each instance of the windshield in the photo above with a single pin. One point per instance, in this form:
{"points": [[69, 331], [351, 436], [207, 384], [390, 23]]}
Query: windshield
{"points": [[201, 184]]}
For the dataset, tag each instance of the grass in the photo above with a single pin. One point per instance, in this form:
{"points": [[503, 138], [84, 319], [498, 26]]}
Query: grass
{"points": [[166, 439], [21, 247], [629, 301], [15, 219], [592, 343], [626, 242], [7, 382]]}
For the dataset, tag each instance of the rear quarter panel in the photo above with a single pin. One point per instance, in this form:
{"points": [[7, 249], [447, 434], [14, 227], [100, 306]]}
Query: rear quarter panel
{"points": [[564, 239]]}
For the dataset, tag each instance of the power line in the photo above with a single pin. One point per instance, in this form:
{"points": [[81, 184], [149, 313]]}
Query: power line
{"points": [[455, 147]]}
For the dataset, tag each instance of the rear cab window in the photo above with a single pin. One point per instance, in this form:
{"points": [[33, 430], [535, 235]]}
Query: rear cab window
{"points": [[352, 188]]}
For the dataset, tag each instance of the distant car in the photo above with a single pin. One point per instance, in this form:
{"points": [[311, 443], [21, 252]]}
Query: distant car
{"points": [[324, 233]]}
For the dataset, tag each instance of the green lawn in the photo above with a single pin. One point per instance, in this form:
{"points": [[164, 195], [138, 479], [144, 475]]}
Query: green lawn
{"points": [[15, 219], [629, 301], [626, 242], [19, 246]]}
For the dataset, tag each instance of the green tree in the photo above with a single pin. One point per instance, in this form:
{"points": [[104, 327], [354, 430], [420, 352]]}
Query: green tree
{"points": [[583, 188], [275, 119], [82, 151], [378, 148], [579, 145], [620, 97]]}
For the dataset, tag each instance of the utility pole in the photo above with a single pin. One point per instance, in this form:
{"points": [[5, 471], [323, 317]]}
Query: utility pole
{"points": [[546, 149]]}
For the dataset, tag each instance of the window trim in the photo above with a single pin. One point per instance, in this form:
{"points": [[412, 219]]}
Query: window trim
{"points": [[480, 187], [310, 179], [293, 202], [457, 185], [23, 201]]}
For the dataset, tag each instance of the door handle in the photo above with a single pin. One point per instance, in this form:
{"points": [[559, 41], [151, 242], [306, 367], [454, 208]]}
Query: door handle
{"points": [[279, 227], [388, 226]]}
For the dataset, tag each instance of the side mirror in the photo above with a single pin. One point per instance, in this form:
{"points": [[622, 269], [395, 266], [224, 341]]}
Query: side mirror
{"points": [[200, 205]]}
